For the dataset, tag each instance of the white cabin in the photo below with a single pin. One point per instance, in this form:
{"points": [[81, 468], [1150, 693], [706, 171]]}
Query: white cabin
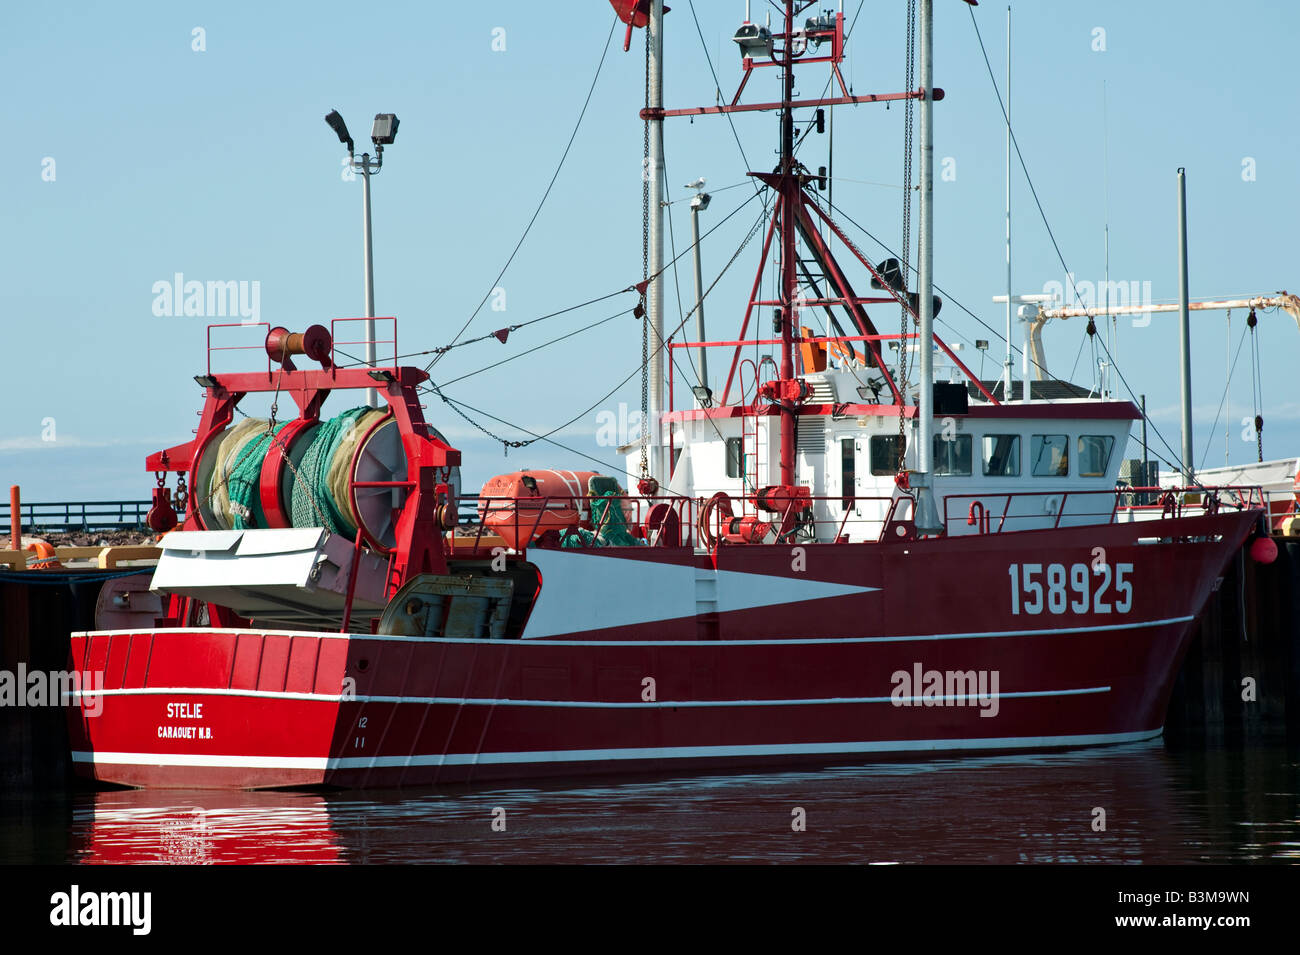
{"points": [[1043, 451]]}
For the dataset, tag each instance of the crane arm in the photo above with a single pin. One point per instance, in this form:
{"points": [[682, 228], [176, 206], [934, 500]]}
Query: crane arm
{"points": [[1287, 302]]}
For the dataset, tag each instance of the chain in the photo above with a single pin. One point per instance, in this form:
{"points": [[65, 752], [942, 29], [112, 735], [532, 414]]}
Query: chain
{"points": [[505, 443], [907, 230], [275, 401], [645, 269]]}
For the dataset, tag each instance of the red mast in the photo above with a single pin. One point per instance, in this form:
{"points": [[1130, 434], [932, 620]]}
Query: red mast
{"points": [[790, 192], [796, 213]]}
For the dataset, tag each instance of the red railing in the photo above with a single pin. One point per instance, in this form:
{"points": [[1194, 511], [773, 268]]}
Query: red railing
{"points": [[523, 520], [998, 512], [834, 519], [820, 340], [260, 344], [336, 322]]}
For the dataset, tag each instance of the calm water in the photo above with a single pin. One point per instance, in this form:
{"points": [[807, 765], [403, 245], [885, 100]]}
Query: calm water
{"points": [[1162, 805]]}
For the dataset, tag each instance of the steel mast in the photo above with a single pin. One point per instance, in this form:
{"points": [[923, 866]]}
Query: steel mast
{"points": [[655, 292], [1006, 362], [927, 517], [1184, 333]]}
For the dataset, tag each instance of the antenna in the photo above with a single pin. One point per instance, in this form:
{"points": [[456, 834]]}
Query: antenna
{"points": [[1006, 363], [1112, 323]]}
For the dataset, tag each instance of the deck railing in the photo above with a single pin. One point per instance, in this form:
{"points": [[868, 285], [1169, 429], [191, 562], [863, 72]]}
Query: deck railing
{"points": [[520, 523], [491, 521], [50, 516], [859, 518], [998, 512]]}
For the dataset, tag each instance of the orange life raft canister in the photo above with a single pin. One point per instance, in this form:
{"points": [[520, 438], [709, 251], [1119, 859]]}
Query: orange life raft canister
{"points": [[523, 505]]}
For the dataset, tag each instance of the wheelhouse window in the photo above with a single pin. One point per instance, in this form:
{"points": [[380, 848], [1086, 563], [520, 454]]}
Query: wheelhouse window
{"points": [[1001, 455], [952, 455], [1050, 454], [848, 470], [885, 450], [1094, 454], [734, 458]]}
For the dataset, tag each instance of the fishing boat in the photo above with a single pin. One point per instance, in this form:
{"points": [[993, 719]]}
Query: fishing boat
{"points": [[856, 550]]}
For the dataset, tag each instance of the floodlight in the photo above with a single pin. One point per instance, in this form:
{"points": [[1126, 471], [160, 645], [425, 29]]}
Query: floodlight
{"points": [[340, 128], [385, 129]]}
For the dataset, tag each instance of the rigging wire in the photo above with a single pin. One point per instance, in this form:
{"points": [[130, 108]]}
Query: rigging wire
{"points": [[712, 192], [1151, 424], [470, 341], [758, 189], [546, 438], [507, 443], [512, 328], [1077, 355], [754, 230], [523, 444], [553, 341], [1091, 328], [1223, 400], [1256, 387], [948, 297], [672, 237], [848, 32], [545, 195]]}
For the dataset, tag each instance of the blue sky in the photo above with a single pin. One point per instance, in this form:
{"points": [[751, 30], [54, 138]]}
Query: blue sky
{"points": [[216, 163]]}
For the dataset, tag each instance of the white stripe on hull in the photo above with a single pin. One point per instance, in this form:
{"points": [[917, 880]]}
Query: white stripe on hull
{"points": [[712, 644], [596, 704], [599, 755]]}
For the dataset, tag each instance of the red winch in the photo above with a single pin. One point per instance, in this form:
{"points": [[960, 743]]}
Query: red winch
{"points": [[392, 476]]}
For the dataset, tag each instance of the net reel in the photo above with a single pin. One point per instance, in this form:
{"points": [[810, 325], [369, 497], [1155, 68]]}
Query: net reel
{"points": [[382, 478]]}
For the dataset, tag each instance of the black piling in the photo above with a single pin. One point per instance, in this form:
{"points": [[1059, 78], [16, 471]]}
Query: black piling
{"points": [[38, 611], [1241, 676]]}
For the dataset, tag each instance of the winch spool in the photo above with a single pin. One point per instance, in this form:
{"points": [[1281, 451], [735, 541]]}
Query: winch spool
{"points": [[304, 475], [235, 451]]}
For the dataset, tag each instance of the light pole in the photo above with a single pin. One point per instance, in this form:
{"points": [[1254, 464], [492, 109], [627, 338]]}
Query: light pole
{"points": [[700, 202], [382, 134]]}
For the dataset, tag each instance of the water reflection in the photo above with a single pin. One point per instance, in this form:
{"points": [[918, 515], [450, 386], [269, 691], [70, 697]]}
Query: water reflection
{"points": [[201, 828], [1159, 805]]}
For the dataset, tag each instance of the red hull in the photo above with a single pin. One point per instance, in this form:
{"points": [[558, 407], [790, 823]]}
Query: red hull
{"points": [[798, 681]]}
